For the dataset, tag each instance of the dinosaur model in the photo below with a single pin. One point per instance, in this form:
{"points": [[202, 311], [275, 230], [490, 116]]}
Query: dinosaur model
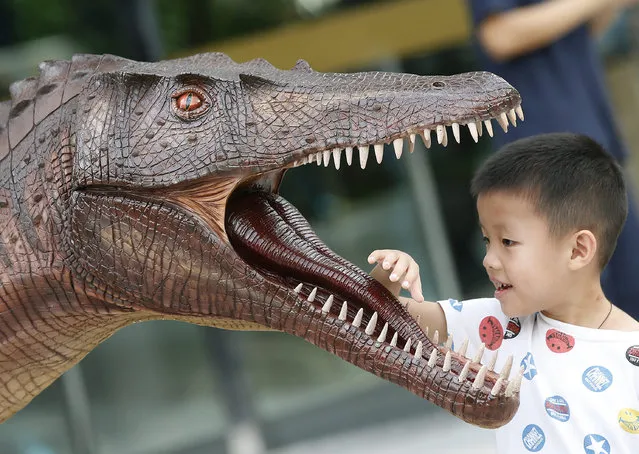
{"points": [[134, 191]]}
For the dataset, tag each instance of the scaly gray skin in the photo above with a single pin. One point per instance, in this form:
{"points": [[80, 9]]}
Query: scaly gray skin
{"points": [[115, 207]]}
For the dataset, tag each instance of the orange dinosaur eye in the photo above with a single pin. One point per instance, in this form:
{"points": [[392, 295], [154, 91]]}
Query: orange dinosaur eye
{"points": [[189, 101]]}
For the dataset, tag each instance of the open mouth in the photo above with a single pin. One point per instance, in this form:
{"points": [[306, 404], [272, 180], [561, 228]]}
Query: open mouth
{"points": [[271, 236]]}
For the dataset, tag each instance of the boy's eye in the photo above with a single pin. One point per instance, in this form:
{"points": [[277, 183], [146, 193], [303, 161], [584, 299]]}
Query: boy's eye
{"points": [[506, 242]]}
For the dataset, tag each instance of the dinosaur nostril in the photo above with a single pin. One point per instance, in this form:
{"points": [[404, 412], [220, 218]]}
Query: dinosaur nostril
{"points": [[438, 84]]}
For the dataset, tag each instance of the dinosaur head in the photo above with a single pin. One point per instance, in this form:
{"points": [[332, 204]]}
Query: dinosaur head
{"points": [[173, 207]]}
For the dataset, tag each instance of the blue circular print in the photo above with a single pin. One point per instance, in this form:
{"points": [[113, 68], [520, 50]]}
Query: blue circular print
{"points": [[596, 444], [533, 438], [557, 408], [597, 378], [528, 363]]}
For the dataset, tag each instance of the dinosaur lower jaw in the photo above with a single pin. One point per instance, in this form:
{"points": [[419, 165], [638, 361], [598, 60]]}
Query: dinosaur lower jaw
{"points": [[369, 327], [275, 239]]}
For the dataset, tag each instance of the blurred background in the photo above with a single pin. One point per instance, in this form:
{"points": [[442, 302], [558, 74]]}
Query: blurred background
{"points": [[169, 387]]}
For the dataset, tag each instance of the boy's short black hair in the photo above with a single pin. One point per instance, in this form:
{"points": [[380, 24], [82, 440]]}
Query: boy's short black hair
{"points": [[574, 183]]}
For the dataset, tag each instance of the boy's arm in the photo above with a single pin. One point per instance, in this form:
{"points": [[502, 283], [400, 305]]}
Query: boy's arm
{"points": [[517, 31], [396, 270]]}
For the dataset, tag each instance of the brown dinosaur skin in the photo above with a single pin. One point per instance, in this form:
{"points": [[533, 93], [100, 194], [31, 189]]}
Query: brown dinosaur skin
{"points": [[136, 191]]}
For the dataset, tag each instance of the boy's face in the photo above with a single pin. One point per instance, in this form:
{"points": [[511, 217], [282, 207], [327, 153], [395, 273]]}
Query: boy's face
{"points": [[528, 266]]}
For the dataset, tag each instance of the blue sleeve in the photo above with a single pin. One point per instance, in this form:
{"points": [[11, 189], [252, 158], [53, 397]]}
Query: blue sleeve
{"points": [[481, 9]]}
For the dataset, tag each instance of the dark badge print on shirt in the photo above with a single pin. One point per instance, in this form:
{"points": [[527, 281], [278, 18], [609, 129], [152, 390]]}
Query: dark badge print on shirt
{"points": [[632, 355], [491, 332], [559, 342], [513, 328]]}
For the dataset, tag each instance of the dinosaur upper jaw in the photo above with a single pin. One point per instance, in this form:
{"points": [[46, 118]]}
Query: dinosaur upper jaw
{"points": [[275, 240]]}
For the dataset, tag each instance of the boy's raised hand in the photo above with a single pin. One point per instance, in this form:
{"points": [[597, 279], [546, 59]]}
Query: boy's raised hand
{"points": [[396, 268]]}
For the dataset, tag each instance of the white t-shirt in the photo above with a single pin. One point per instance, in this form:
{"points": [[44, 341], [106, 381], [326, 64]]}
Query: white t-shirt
{"points": [[580, 392]]}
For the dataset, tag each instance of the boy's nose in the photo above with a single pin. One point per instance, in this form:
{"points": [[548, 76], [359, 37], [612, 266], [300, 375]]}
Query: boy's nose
{"points": [[491, 261]]}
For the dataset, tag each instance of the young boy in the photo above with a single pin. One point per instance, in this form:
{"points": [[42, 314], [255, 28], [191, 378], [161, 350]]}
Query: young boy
{"points": [[550, 208]]}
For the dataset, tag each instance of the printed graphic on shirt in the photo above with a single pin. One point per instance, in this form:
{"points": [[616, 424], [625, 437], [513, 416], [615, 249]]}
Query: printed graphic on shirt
{"points": [[629, 420], [632, 355], [596, 444], [513, 328], [530, 370], [557, 408], [533, 438], [559, 342], [457, 305], [597, 378], [491, 332]]}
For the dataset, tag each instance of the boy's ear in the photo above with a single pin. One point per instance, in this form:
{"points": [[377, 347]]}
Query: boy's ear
{"points": [[584, 249]]}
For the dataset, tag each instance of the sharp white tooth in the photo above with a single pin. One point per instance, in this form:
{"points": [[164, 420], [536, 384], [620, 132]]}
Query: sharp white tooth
{"points": [[327, 157], [382, 335], [498, 384], [456, 132], [358, 318], [349, 155], [449, 341], [512, 117], [379, 152], [337, 156], [479, 379], [407, 346], [472, 127], [418, 350], [441, 133], [464, 372], [393, 341], [447, 361], [344, 311], [463, 348], [489, 127], [502, 119], [514, 386], [436, 338], [398, 145], [426, 136], [493, 360], [371, 324], [433, 358], [299, 287], [311, 297], [327, 305], [425, 330], [479, 353], [318, 158], [480, 128], [520, 112], [363, 155], [505, 371], [411, 143]]}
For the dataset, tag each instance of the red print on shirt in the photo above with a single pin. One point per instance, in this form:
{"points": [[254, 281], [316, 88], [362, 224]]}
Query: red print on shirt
{"points": [[559, 342], [491, 332]]}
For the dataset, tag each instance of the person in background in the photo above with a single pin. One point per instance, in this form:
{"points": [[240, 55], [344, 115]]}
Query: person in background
{"points": [[547, 50]]}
